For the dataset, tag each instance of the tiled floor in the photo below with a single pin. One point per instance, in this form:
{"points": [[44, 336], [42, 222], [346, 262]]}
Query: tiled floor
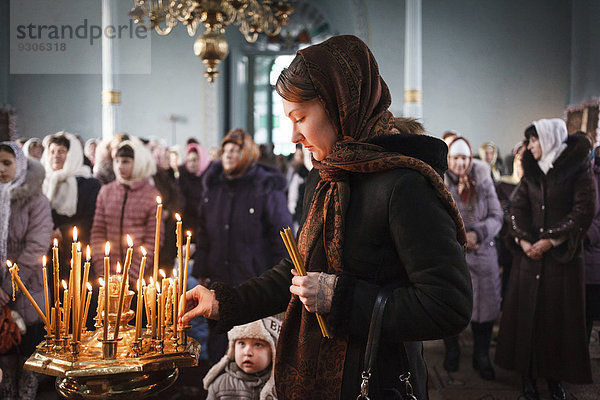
{"points": [[462, 385]]}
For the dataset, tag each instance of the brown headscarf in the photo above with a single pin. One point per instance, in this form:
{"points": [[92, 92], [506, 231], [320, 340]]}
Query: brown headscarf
{"points": [[346, 77], [248, 147]]}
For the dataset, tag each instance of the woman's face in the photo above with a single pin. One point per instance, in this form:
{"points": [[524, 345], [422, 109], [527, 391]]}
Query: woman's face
{"points": [[57, 155], [490, 152], [124, 167], [231, 156], [36, 150], [535, 147], [458, 164], [311, 127], [191, 162], [8, 167], [252, 355]]}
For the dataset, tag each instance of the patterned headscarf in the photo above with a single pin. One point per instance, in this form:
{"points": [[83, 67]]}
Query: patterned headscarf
{"points": [[5, 196], [346, 78], [249, 151]]}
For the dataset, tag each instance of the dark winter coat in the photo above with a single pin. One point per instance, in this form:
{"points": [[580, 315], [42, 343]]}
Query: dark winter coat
{"points": [[399, 234], [190, 186], [543, 323], [483, 215], [30, 228], [87, 192], [592, 238], [239, 223]]}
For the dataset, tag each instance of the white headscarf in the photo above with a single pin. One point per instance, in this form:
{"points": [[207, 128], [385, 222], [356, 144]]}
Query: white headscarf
{"points": [[144, 165], [60, 187], [5, 197], [552, 134]]}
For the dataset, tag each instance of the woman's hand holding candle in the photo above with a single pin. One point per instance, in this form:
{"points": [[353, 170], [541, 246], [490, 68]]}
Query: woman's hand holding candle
{"points": [[199, 302]]}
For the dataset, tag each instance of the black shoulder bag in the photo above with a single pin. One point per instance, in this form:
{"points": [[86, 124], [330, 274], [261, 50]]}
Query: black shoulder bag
{"points": [[373, 345]]}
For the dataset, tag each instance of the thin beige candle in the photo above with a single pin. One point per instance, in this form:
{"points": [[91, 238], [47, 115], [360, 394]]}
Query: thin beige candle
{"points": [[56, 290], [65, 298], [46, 300], [77, 293], [187, 262], [123, 286], [147, 306], [157, 237], [179, 246], [106, 294], [14, 272], [73, 279], [87, 304], [159, 300], [84, 284], [152, 301], [67, 306], [138, 312], [175, 303]]}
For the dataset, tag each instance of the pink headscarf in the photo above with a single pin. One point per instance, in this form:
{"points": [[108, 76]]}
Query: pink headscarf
{"points": [[203, 158]]}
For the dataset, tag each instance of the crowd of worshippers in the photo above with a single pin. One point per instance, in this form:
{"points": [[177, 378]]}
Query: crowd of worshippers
{"points": [[235, 199]]}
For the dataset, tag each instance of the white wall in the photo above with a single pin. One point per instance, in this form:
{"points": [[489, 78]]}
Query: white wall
{"points": [[489, 69]]}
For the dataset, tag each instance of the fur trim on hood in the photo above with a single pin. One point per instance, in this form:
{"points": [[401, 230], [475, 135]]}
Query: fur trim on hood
{"points": [[266, 329], [32, 185], [572, 160]]}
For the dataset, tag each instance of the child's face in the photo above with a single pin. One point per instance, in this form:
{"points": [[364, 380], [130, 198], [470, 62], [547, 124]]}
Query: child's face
{"points": [[252, 355], [8, 167], [124, 167]]}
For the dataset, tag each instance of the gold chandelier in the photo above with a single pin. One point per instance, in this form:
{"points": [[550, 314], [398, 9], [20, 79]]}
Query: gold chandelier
{"points": [[252, 17]]}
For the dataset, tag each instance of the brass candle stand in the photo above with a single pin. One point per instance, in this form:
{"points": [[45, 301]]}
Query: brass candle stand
{"points": [[125, 367]]}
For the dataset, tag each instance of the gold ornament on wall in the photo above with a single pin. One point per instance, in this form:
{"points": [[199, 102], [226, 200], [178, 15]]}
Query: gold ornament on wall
{"points": [[251, 16]]}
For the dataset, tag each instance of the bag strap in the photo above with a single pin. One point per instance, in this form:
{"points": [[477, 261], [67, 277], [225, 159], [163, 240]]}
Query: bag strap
{"points": [[373, 346]]}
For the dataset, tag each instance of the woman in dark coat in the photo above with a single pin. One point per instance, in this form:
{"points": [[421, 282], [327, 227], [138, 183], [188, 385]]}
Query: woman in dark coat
{"points": [[376, 213], [243, 208], [190, 185], [474, 194], [542, 332]]}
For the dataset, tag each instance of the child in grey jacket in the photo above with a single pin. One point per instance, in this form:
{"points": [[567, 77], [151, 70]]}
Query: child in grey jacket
{"points": [[246, 370]]}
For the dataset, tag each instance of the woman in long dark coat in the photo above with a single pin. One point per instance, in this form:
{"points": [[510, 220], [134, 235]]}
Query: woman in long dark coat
{"points": [[542, 332], [376, 214]]}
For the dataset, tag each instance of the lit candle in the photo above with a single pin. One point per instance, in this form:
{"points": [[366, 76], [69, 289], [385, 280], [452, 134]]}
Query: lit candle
{"points": [[123, 285], [56, 289], [157, 237], [86, 272], [65, 312], [179, 252], [175, 300], [15, 277], [161, 306], [77, 293], [87, 303], [73, 283], [106, 280], [46, 300]]}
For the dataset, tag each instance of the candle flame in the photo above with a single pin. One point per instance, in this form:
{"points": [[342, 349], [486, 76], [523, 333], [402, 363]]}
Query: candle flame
{"points": [[55, 242], [8, 263], [118, 267], [174, 273], [158, 200], [177, 217], [44, 261], [89, 286], [143, 250], [64, 284], [88, 253], [74, 233], [129, 241], [157, 286], [162, 273], [189, 233], [107, 249], [151, 281], [101, 281]]}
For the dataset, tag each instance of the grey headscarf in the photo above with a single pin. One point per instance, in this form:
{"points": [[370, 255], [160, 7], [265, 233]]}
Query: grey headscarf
{"points": [[5, 196]]}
